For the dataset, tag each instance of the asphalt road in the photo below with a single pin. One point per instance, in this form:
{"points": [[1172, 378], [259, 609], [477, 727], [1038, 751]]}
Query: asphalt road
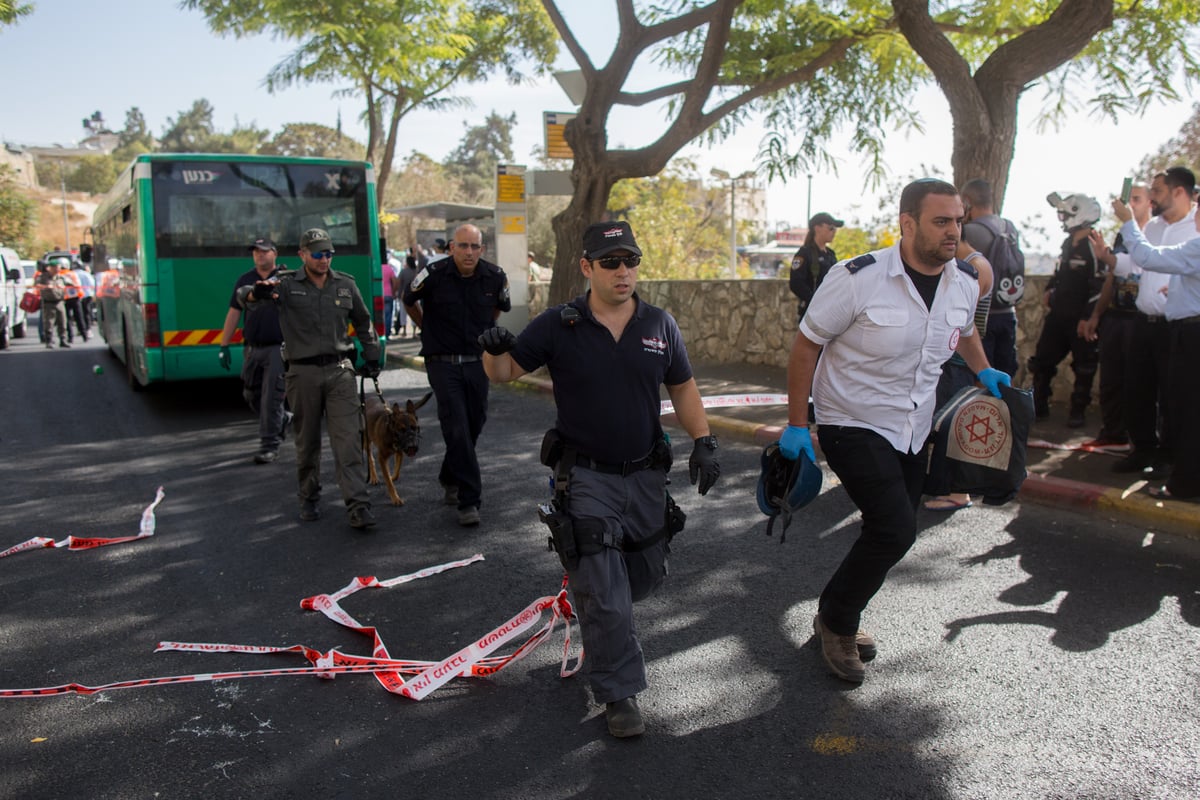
{"points": [[1024, 652]]}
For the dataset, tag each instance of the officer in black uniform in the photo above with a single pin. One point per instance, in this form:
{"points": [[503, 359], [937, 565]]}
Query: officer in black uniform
{"points": [[814, 259], [262, 362], [608, 353], [1071, 295], [454, 300]]}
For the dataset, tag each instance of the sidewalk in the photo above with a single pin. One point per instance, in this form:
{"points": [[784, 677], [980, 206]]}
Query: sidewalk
{"points": [[1065, 478]]}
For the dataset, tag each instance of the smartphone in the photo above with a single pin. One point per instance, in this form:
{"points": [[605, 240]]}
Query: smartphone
{"points": [[1126, 190]]}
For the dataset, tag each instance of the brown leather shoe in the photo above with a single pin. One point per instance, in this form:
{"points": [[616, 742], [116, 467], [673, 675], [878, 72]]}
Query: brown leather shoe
{"points": [[840, 653]]}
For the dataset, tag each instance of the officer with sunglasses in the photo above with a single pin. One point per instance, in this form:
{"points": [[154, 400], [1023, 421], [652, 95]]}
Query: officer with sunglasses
{"points": [[317, 304], [608, 353], [454, 300]]}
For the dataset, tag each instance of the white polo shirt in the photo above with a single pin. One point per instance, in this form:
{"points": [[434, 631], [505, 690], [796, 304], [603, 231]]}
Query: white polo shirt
{"points": [[883, 349]]}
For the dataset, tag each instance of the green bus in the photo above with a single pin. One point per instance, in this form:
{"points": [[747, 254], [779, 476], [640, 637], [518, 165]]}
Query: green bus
{"points": [[172, 238]]}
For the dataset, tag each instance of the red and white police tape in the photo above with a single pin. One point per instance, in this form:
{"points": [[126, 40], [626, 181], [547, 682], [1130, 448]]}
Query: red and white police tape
{"points": [[474, 660], [731, 400], [146, 529]]}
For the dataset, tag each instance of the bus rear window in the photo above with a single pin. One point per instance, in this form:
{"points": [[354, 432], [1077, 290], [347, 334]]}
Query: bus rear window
{"points": [[218, 208]]}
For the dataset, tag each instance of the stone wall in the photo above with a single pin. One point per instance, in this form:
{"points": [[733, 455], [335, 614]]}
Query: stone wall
{"points": [[754, 321]]}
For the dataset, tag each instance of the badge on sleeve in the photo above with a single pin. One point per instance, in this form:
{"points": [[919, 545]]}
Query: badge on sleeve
{"points": [[858, 263], [420, 279]]}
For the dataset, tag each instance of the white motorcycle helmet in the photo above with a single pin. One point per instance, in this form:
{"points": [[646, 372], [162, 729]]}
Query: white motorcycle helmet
{"points": [[1075, 211]]}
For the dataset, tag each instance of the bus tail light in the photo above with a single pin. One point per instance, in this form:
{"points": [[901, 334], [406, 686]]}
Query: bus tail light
{"points": [[153, 335], [377, 315]]}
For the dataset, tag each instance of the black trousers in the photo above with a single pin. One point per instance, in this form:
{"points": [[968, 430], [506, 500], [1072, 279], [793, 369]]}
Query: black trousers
{"points": [[1182, 391], [1060, 337], [1116, 345], [1147, 416], [885, 484], [1000, 342], [462, 392]]}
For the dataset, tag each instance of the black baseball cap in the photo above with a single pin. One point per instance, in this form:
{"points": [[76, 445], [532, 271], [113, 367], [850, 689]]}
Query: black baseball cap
{"points": [[602, 238], [822, 218], [263, 244]]}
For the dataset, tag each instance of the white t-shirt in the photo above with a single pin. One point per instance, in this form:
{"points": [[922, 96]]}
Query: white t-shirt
{"points": [[883, 349]]}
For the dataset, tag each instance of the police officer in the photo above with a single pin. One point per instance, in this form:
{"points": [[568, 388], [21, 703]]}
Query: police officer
{"points": [[459, 298], [608, 354], [316, 305], [1071, 296], [52, 288], [883, 325], [262, 362], [813, 260]]}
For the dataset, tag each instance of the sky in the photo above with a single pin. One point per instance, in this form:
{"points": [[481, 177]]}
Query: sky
{"points": [[70, 58]]}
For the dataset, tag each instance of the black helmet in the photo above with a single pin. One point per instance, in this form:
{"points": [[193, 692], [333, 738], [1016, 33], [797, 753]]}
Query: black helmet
{"points": [[785, 487]]}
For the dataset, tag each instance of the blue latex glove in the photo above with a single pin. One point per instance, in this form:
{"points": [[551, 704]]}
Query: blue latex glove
{"points": [[993, 379], [794, 440]]}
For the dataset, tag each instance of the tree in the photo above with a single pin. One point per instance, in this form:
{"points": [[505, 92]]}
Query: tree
{"points": [[93, 174], [1181, 149], [796, 61], [675, 219], [814, 69], [399, 55], [10, 12], [193, 132], [309, 139], [483, 147], [1129, 50], [18, 213]]}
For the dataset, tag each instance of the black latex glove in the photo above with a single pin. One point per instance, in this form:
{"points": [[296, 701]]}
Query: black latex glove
{"points": [[263, 291], [224, 357], [497, 341], [370, 369], [703, 463]]}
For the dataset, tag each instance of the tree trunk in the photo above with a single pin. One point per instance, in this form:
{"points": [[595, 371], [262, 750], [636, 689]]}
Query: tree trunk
{"points": [[984, 144], [592, 179]]}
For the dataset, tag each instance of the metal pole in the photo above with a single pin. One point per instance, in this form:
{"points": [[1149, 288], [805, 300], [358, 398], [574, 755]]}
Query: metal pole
{"points": [[733, 259], [810, 195], [66, 228]]}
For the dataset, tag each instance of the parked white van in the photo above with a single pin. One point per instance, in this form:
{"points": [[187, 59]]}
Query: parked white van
{"points": [[12, 286]]}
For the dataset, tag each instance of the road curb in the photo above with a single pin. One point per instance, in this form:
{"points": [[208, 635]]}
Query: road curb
{"points": [[1174, 516]]}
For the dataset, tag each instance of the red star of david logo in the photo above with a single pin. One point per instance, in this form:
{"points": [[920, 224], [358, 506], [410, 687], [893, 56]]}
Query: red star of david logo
{"points": [[980, 429]]}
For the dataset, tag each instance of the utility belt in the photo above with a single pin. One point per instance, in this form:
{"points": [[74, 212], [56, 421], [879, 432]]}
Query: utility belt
{"points": [[575, 538], [322, 360]]}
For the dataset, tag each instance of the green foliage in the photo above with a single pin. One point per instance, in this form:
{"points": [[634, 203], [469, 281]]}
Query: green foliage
{"points": [[1184, 148], [193, 132], [673, 217], [10, 11], [93, 174], [18, 213], [483, 147], [399, 54], [310, 139], [47, 170]]}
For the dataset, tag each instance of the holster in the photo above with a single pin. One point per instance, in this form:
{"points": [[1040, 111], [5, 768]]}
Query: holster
{"points": [[572, 539]]}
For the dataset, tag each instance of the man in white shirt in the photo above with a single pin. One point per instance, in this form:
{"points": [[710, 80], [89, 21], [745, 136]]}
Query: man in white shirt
{"points": [[1146, 382], [883, 324]]}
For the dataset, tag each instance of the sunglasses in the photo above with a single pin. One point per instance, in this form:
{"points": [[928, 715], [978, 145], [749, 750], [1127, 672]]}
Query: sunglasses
{"points": [[322, 255], [615, 262]]}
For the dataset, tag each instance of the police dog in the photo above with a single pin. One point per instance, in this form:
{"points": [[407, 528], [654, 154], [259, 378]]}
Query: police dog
{"points": [[393, 433]]}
